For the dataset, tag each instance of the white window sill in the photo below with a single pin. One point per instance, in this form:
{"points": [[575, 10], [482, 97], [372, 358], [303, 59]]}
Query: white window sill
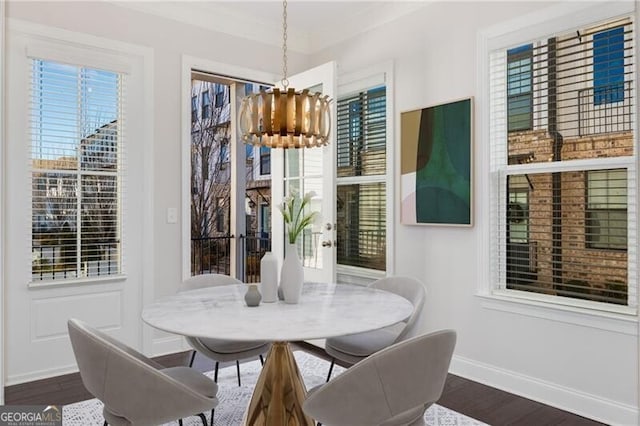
{"points": [[82, 281], [355, 275], [620, 319]]}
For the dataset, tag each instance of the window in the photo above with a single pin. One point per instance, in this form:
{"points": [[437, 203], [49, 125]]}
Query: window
{"points": [[220, 222], [265, 220], [194, 109], [361, 183], [519, 87], [265, 160], [608, 66], [606, 221], [220, 92], [561, 213], [206, 105], [76, 170], [224, 153]]}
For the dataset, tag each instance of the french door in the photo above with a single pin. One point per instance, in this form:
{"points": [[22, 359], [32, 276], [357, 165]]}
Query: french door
{"points": [[305, 170]]}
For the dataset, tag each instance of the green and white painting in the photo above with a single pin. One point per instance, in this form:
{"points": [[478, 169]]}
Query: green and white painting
{"points": [[436, 165]]}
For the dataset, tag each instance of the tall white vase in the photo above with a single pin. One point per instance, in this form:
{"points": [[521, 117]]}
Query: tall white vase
{"points": [[269, 277], [292, 275]]}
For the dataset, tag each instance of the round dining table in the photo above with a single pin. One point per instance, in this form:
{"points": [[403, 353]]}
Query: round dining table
{"points": [[324, 310]]}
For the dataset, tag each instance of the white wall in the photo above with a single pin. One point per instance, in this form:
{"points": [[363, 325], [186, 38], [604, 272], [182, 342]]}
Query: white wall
{"points": [[590, 369], [170, 40]]}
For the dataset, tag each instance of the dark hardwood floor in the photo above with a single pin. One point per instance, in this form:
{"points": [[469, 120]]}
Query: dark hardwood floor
{"points": [[481, 402]]}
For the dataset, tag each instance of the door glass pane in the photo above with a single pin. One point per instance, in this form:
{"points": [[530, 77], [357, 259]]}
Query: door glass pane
{"points": [[361, 225], [303, 170]]}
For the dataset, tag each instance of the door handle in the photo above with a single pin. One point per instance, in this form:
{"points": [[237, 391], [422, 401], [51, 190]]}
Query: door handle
{"points": [[326, 244]]}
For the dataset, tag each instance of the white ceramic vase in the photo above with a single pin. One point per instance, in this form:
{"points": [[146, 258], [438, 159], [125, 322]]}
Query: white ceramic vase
{"points": [[292, 275], [269, 278]]}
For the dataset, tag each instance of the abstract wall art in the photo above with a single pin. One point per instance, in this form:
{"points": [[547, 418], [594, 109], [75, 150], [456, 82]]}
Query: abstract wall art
{"points": [[436, 165]]}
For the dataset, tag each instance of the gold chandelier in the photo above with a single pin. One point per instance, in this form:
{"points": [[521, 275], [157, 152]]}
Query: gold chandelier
{"points": [[285, 118]]}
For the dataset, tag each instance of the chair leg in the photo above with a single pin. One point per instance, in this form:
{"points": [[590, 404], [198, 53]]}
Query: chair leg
{"points": [[261, 360], [213, 410], [203, 418], [179, 422], [193, 357], [105, 423], [238, 371], [333, 361], [215, 374]]}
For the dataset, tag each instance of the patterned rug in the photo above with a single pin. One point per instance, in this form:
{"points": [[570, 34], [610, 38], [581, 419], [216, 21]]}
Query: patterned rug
{"points": [[234, 399]]}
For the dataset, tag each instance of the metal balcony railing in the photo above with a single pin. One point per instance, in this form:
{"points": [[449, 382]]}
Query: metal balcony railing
{"points": [[605, 109], [212, 255]]}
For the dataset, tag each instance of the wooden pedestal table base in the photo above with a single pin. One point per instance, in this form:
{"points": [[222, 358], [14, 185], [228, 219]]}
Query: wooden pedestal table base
{"points": [[278, 396]]}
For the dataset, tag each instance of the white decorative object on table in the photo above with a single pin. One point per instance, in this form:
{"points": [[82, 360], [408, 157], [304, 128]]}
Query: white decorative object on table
{"points": [[296, 220], [269, 277], [292, 275]]}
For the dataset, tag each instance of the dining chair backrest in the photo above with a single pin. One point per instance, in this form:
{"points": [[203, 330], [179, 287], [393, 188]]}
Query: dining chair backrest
{"points": [[411, 289], [391, 387], [128, 383], [207, 280]]}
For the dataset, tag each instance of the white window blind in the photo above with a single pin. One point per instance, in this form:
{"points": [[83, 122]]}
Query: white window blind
{"points": [[77, 163], [563, 165], [361, 183]]}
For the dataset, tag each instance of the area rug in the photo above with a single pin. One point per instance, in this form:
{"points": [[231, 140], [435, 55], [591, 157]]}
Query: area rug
{"points": [[234, 399]]}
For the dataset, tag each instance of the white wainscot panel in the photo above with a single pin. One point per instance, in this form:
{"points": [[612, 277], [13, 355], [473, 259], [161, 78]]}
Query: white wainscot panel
{"points": [[49, 316]]}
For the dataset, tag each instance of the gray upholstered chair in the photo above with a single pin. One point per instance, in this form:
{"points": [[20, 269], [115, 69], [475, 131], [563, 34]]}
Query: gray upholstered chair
{"points": [[217, 349], [136, 390], [353, 348], [391, 387]]}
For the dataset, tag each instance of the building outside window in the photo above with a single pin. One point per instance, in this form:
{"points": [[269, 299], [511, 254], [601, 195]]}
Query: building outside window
{"points": [[210, 184], [265, 160], [562, 148]]}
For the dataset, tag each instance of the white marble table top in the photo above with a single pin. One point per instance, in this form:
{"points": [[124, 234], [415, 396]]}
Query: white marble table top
{"points": [[325, 310]]}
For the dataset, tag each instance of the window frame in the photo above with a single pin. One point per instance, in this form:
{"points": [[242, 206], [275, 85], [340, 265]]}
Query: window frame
{"points": [[76, 177], [364, 80], [504, 35]]}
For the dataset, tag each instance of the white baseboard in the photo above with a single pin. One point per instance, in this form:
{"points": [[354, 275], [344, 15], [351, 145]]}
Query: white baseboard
{"points": [[40, 374], [168, 345], [564, 398], [162, 346]]}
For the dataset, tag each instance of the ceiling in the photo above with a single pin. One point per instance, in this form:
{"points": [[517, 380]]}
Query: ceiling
{"points": [[312, 25]]}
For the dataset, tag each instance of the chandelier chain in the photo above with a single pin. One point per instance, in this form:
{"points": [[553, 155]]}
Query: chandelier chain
{"points": [[285, 81]]}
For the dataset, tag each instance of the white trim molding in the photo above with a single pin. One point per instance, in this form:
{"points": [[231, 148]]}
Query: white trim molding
{"points": [[2, 196], [572, 400], [169, 345]]}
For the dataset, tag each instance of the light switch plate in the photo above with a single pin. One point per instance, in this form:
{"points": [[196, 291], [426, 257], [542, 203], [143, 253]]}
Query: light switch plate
{"points": [[172, 215]]}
